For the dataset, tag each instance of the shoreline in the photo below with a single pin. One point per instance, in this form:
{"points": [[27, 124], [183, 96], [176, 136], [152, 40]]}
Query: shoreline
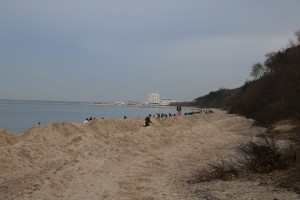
{"points": [[21, 115]]}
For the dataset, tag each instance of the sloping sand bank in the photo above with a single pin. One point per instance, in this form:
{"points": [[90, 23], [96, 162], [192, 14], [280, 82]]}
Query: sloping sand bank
{"points": [[120, 159]]}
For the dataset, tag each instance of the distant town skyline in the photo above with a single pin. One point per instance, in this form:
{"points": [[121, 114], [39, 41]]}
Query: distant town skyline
{"points": [[97, 51]]}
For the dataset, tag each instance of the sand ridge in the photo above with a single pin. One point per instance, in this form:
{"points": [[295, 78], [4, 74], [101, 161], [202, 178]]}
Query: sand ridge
{"points": [[120, 159]]}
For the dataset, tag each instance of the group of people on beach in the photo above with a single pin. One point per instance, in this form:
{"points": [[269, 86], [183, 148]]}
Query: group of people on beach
{"points": [[178, 109], [162, 115], [205, 111], [88, 119]]}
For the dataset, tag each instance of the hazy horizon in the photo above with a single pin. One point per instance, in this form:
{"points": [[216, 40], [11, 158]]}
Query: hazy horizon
{"points": [[97, 51]]}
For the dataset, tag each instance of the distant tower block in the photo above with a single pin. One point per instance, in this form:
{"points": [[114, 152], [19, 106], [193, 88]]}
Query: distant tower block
{"points": [[154, 98]]}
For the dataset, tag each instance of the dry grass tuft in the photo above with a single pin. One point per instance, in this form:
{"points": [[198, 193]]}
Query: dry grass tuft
{"points": [[258, 155], [261, 154], [218, 170]]}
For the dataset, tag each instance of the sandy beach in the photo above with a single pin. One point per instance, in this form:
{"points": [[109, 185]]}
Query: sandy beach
{"points": [[121, 160]]}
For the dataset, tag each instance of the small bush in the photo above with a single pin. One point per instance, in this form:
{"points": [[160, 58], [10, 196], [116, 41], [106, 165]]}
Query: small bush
{"points": [[218, 170], [261, 154]]}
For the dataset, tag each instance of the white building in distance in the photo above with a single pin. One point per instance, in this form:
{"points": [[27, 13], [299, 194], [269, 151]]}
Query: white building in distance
{"points": [[166, 102], [153, 98]]}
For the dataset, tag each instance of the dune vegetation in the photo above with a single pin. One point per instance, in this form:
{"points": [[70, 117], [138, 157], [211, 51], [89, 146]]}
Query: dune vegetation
{"points": [[272, 94], [272, 99]]}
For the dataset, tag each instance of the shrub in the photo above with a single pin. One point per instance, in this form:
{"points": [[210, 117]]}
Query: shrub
{"points": [[218, 170], [261, 154]]}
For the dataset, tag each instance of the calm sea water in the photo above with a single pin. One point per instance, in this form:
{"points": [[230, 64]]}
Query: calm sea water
{"points": [[19, 116]]}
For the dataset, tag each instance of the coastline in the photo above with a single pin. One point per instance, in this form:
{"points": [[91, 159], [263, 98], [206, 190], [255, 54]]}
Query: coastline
{"points": [[18, 116]]}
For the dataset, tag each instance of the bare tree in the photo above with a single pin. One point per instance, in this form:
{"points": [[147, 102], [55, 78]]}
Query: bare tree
{"points": [[297, 34], [257, 71], [293, 43]]}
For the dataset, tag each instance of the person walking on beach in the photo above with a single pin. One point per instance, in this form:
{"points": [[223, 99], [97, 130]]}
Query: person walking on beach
{"points": [[148, 121], [178, 110]]}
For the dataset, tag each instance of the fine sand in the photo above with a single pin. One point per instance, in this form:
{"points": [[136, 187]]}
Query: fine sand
{"points": [[121, 160]]}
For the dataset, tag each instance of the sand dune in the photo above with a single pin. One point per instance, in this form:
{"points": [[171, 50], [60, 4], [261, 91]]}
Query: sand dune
{"points": [[120, 159], [8, 138]]}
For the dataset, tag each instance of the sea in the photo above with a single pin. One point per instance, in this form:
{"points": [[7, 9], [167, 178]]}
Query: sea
{"points": [[18, 116]]}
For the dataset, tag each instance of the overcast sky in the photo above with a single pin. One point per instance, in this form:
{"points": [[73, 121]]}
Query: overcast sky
{"points": [[121, 50]]}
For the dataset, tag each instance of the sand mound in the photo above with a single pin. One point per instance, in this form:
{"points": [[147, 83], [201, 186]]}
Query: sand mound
{"points": [[120, 159], [8, 138]]}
